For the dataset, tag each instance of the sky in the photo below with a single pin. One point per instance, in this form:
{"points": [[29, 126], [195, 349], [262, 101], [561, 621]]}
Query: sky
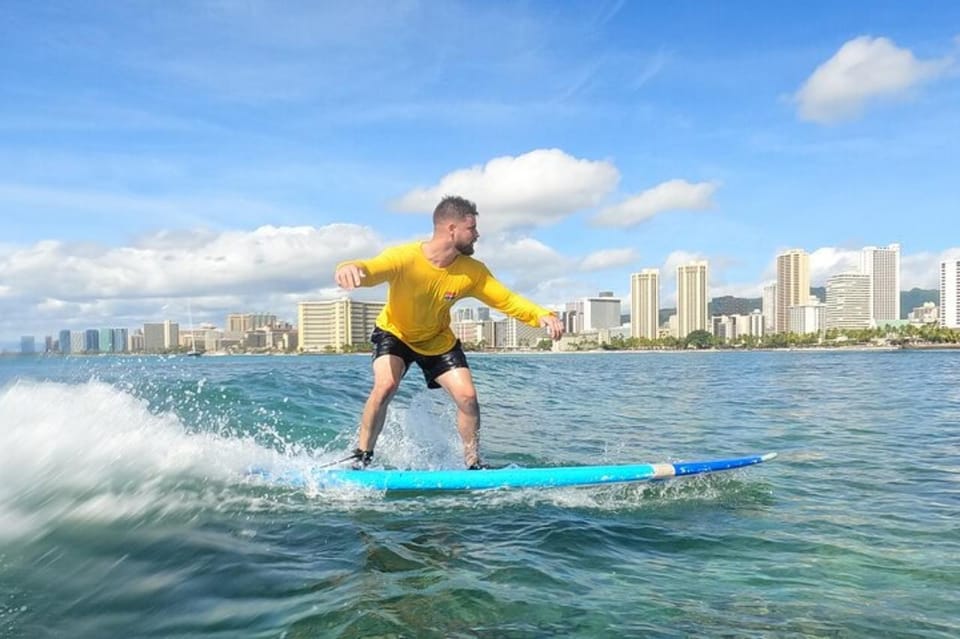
{"points": [[186, 160]]}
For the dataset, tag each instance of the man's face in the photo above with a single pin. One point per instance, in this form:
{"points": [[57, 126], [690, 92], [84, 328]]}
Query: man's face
{"points": [[465, 235]]}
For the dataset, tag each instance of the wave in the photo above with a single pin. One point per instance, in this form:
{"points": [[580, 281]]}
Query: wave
{"points": [[91, 452]]}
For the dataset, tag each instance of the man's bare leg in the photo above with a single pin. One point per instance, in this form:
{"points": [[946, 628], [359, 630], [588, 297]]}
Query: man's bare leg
{"points": [[388, 371], [459, 383]]}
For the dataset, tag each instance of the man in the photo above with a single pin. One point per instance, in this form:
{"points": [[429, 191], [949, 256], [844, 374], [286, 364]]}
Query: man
{"points": [[426, 279]]}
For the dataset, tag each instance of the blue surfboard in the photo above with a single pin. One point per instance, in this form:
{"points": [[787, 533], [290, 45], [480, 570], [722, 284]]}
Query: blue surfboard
{"points": [[510, 477]]}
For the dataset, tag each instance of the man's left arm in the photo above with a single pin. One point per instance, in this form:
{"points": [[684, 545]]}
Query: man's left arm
{"points": [[491, 292]]}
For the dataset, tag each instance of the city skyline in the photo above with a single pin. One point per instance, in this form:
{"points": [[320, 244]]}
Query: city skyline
{"points": [[227, 156], [850, 302]]}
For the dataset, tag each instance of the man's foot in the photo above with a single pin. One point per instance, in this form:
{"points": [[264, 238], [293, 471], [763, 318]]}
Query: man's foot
{"points": [[361, 459]]}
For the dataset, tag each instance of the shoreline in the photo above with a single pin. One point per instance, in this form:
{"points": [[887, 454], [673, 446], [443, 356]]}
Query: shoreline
{"points": [[794, 349]]}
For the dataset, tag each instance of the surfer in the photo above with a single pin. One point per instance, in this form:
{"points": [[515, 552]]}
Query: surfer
{"points": [[425, 280]]}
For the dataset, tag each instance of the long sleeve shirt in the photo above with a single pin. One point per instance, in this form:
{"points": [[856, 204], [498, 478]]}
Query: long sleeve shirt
{"points": [[421, 295]]}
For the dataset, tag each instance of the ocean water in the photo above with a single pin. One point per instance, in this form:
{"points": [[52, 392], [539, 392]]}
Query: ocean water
{"points": [[125, 510]]}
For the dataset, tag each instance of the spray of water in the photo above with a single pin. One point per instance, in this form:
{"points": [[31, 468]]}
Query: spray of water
{"points": [[95, 452], [91, 451]]}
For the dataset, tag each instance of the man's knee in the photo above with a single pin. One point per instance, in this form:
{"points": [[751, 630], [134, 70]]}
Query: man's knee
{"points": [[467, 402], [384, 389]]}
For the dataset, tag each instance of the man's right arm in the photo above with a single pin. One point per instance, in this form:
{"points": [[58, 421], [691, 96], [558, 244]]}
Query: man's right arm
{"points": [[354, 273], [349, 275]]}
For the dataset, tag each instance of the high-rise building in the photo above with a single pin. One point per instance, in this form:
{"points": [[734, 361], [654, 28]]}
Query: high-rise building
{"points": [[120, 340], [645, 303], [91, 340], [809, 317], [927, 313], [244, 322], [171, 334], [600, 312], [573, 317], [757, 324], [106, 341], [239, 323], [478, 333], [793, 286], [769, 308], [153, 337], [511, 333], [28, 345], [332, 324], [63, 342], [848, 301], [732, 327], [160, 337], [950, 294], [136, 343], [589, 314], [882, 264], [468, 331], [692, 284]]}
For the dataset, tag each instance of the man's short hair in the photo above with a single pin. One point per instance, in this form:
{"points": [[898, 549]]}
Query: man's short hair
{"points": [[454, 207]]}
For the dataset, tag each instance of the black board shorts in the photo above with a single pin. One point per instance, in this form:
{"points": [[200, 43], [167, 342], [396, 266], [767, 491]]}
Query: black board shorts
{"points": [[433, 366]]}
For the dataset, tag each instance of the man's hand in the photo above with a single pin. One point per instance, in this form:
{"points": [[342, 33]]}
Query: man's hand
{"points": [[553, 325], [348, 276]]}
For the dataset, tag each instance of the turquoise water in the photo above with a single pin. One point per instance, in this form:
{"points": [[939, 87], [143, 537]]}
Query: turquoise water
{"points": [[125, 510]]}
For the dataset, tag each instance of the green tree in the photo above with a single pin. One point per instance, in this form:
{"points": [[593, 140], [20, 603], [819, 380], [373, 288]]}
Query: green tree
{"points": [[699, 339], [669, 342]]}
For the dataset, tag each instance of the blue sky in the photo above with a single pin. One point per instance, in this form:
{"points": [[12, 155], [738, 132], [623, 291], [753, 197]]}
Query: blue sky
{"points": [[226, 155]]}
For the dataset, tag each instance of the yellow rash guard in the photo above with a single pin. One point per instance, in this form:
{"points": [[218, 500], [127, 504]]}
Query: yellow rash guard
{"points": [[420, 295]]}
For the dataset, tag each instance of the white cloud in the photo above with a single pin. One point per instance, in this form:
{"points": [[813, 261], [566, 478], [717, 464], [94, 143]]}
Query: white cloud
{"points": [[922, 270], [534, 189], [75, 283], [54, 285], [678, 258], [673, 195], [608, 258], [864, 69], [824, 262], [523, 263], [828, 261], [917, 270], [167, 265]]}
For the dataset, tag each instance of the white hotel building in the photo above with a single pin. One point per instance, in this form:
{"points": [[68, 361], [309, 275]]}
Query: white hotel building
{"points": [[330, 325], [848, 301], [882, 264], [645, 303], [692, 287], [793, 290], [950, 294]]}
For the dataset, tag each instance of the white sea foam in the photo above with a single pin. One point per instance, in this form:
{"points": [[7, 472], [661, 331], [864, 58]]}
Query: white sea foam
{"points": [[422, 434], [93, 452]]}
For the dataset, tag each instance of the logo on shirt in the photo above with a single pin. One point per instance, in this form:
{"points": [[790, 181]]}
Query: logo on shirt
{"points": [[450, 295]]}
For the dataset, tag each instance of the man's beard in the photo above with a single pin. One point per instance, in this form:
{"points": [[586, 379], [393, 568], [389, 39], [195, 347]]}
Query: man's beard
{"points": [[465, 249]]}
